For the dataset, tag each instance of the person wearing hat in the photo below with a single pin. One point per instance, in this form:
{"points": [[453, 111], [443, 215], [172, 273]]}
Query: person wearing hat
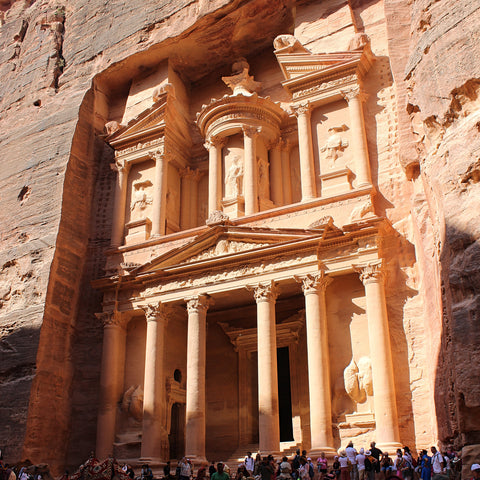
{"points": [[475, 468]]}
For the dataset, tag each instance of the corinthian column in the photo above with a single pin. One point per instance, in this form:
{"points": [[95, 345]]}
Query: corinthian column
{"points": [[196, 359], [154, 434], [314, 287], [268, 421], [111, 380], [355, 98], [250, 169], [159, 192], [120, 201], [214, 146], [305, 150], [387, 435]]}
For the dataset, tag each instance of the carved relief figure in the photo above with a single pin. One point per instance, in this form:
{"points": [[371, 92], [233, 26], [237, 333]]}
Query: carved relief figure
{"points": [[140, 196], [234, 177], [132, 402], [263, 179], [335, 145], [358, 379]]}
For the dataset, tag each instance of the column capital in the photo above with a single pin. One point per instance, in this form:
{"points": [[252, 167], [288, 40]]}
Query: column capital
{"points": [[111, 319], [275, 144], [250, 131], [188, 172], [154, 311], [354, 92], [198, 303], [159, 154], [303, 108], [264, 292], [371, 272], [120, 166], [314, 282], [215, 142]]}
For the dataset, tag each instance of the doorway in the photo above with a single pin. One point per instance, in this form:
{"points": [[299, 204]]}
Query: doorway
{"points": [[176, 437], [284, 395]]}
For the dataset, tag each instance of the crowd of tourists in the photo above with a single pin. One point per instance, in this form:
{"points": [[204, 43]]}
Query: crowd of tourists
{"points": [[349, 464]]}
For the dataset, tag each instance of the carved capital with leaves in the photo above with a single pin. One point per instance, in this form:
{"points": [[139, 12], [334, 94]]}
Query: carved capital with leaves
{"points": [[198, 303], [303, 108], [314, 282], [371, 272], [111, 319], [154, 311], [264, 292]]}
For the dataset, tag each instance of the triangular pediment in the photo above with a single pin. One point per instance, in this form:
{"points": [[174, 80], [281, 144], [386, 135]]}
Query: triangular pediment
{"points": [[150, 121], [223, 244]]}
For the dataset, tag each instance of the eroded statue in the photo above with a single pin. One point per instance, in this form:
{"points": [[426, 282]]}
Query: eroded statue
{"points": [[234, 177], [241, 82], [358, 379], [132, 402]]}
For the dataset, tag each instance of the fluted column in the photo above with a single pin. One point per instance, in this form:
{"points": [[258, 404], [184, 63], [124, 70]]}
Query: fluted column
{"points": [[111, 380], [387, 434], [159, 192], [305, 148], [154, 434], [250, 169], [196, 358], [214, 146], [286, 172], [314, 287], [276, 173], [122, 168], [268, 420], [355, 99]]}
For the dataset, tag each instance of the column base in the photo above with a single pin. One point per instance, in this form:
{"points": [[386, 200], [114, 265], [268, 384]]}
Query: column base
{"points": [[197, 460], [328, 451], [390, 447]]}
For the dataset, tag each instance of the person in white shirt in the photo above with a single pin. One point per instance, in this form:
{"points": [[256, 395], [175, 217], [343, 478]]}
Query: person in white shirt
{"points": [[437, 463], [249, 463], [351, 455], [360, 459]]}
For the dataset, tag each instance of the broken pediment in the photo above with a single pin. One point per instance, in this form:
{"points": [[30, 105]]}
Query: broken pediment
{"points": [[305, 72], [221, 242]]}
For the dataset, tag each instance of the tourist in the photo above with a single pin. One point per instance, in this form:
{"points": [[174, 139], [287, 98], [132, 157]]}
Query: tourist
{"points": [[303, 469], [285, 469], [201, 473], [242, 472], [376, 453], [438, 463], [475, 469], [408, 464], [336, 466], [211, 469], [322, 465], [360, 459], [311, 468], [249, 464], [351, 455], [220, 474], [370, 463], [398, 463], [129, 471], [426, 466], [146, 473], [266, 469], [296, 463], [344, 470], [386, 465], [258, 464], [448, 464]]}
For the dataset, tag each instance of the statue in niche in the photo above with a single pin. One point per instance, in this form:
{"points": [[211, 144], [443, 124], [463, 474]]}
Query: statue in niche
{"points": [[358, 379], [140, 196], [132, 402], [234, 177], [263, 179], [241, 82], [335, 145]]}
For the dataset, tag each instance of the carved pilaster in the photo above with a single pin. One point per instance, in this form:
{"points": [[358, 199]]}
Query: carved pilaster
{"points": [[371, 272]]}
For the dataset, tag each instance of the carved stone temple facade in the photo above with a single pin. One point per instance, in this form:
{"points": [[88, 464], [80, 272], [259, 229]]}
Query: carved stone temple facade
{"points": [[238, 225], [245, 298]]}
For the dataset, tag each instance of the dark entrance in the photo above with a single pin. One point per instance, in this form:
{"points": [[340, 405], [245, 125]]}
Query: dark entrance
{"points": [[176, 437], [284, 395]]}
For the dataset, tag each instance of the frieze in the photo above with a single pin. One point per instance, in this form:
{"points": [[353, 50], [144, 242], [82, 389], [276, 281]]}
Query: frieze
{"points": [[324, 86], [139, 146]]}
